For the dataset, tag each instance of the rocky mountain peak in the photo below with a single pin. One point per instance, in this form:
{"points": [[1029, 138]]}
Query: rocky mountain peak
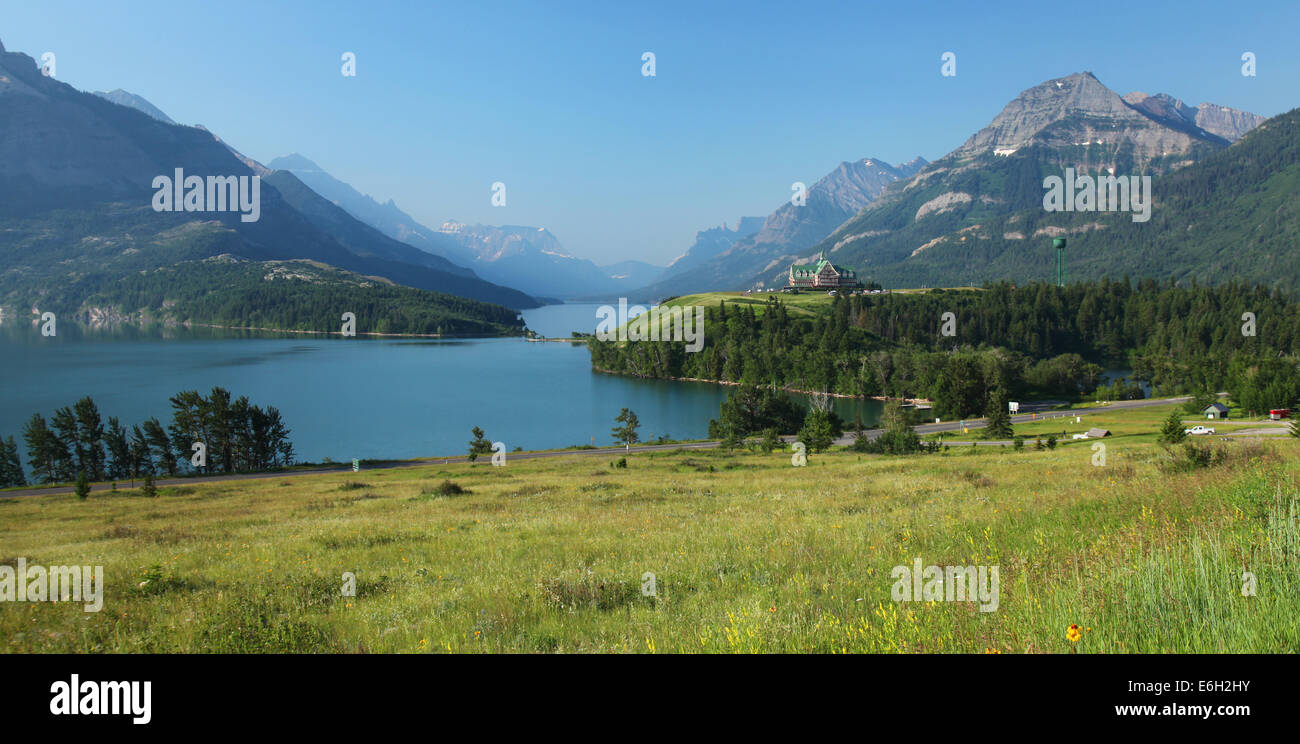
{"points": [[1207, 119], [1022, 121], [1079, 111]]}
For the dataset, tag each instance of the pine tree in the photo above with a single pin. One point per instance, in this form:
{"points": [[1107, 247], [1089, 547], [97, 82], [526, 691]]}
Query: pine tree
{"points": [[161, 445], [11, 465], [148, 489], [820, 427], [119, 450], [69, 455], [141, 460], [999, 418], [899, 438], [479, 445], [83, 485], [41, 449], [90, 437], [626, 434], [1172, 431]]}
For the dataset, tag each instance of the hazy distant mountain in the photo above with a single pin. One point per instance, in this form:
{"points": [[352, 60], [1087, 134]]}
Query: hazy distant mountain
{"points": [[351, 233], [131, 100], [386, 217], [1228, 123], [530, 258], [632, 274], [711, 242], [787, 232], [977, 213], [124, 98], [77, 173]]}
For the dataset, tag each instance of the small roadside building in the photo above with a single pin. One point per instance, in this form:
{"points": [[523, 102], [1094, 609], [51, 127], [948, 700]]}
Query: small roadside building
{"points": [[1215, 411], [1096, 433]]}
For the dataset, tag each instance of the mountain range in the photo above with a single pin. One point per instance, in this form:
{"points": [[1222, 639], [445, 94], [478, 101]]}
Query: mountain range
{"points": [[977, 214], [530, 259], [78, 170], [789, 230]]}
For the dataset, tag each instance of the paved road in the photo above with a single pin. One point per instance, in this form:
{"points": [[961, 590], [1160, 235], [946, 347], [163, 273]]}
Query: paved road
{"points": [[603, 451]]}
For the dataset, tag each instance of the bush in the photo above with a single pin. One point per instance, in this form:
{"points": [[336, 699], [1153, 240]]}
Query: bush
{"points": [[446, 488], [1051, 442], [1197, 455], [820, 429], [1019, 443], [1171, 431], [83, 486], [861, 443]]}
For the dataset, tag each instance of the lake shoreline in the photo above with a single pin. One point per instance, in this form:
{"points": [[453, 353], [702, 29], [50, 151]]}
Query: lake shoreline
{"points": [[376, 334], [883, 398]]}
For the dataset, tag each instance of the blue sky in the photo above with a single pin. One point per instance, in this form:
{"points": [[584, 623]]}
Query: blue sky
{"points": [[549, 97]]}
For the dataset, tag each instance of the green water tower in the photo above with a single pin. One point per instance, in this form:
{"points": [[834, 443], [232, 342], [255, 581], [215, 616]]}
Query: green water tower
{"points": [[1059, 245]]}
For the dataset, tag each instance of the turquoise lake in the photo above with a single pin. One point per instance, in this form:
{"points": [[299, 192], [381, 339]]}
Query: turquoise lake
{"points": [[363, 397]]}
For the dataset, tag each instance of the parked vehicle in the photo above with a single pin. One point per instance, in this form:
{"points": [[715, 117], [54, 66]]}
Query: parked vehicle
{"points": [[1198, 430]]}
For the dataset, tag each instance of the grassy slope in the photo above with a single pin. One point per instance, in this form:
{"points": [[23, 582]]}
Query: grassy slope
{"points": [[805, 303], [750, 555]]}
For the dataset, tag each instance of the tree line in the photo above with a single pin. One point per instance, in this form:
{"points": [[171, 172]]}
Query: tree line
{"points": [[75, 444], [1037, 340]]}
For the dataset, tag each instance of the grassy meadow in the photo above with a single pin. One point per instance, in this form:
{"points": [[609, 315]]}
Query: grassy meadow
{"points": [[1132, 424], [749, 554], [807, 302]]}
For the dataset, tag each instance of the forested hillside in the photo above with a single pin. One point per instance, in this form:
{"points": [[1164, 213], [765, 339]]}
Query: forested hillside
{"points": [[1037, 339], [290, 295]]}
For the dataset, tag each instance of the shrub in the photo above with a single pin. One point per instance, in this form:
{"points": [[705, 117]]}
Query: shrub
{"points": [[861, 443], [1171, 431], [446, 488]]}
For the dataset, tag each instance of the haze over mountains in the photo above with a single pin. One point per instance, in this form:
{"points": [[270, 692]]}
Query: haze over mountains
{"points": [[77, 170], [123, 98], [785, 233], [530, 259]]}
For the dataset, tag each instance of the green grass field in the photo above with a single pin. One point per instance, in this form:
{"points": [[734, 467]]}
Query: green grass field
{"points": [[1134, 424], [807, 303], [750, 554]]}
